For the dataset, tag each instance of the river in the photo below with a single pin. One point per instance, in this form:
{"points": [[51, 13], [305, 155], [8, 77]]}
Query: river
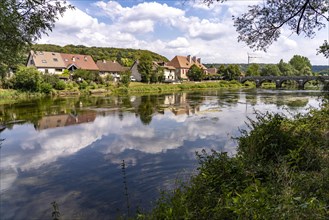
{"points": [[104, 157]]}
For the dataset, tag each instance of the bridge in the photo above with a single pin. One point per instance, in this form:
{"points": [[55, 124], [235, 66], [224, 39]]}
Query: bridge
{"points": [[279, 80]]}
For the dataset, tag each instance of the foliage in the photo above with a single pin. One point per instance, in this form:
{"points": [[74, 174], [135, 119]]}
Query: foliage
{"points": [[145, 66], [253, 70], [232, 72], [300, 62], [157, 75], [270, 70], [89, 76], [125, 78], [27, 79], [324, 49], [281, 171], [23, 22], [261, 25], [195, 73], [286, 69]]}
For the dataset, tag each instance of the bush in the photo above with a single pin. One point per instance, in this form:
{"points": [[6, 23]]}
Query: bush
{"points": [[60, 85], [27, 79], [45, 88]]}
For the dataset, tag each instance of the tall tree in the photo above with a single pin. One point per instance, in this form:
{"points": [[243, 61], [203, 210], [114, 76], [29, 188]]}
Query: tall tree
{"points": [[300, 62], [232, 72], [145, 66], [270, 70], [22, 22], [286, 69], [261, 25]]}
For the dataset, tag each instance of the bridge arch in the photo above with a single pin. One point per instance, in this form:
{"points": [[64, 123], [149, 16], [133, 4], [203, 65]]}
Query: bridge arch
{"points": [[279, 80]]}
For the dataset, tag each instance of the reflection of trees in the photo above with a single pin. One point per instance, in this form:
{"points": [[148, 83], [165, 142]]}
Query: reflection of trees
{"points": [[251, 99], [147, 108]]}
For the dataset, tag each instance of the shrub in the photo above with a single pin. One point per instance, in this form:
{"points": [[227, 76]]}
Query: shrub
{"points": [[60, 85], [45, 88], [27, 79]]}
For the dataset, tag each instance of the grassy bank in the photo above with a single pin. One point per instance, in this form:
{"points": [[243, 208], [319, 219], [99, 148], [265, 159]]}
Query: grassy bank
{"points": [[156, 88], [281, 171], [12, 96]]}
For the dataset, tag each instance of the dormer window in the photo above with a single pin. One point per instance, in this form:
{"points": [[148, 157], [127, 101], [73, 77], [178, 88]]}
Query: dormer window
{"points": [[55, 59], [53, 54], [44, 61]]}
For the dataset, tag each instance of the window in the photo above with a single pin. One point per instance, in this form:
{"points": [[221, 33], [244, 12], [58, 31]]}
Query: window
{"points": [[55, 59], [44, 61], [58, 70], [53, 54]]}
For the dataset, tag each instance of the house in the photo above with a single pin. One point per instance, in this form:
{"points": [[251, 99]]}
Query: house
{"points": [[78, 61], [112, 68], [56, 63], [183, 64], [168, 71], [212, 71], [134, 71], [46, 62]]}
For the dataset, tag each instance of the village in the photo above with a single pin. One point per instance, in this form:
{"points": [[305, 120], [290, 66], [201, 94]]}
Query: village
{"points": [[57, 63]]}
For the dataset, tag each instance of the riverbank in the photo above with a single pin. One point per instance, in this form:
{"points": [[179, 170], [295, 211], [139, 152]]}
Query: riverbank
{"points": [[280, 171], [10, 96]]}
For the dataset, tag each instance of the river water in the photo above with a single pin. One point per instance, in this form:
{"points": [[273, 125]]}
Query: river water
{"points": [[104, 157]]}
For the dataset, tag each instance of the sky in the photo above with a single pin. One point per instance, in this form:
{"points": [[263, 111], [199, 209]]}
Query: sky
{"points": [[175, 27]]}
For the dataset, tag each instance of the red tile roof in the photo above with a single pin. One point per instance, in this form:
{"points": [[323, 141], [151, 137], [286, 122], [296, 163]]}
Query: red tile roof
{"points": [[85, 62]]}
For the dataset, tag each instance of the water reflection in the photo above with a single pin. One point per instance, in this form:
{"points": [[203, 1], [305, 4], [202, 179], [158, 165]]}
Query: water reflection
{"points": [[70, 150]]}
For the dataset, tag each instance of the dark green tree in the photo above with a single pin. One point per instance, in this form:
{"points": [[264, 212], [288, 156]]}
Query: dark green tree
{"points": [[157, 74], [23, 22], [145, 66], [195, 73]]}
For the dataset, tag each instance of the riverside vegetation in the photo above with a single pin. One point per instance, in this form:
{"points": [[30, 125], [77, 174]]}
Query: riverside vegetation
{"points": [[280, 171]]}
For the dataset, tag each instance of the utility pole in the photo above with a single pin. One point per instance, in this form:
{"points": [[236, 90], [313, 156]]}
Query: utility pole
{"points": [[252, 56]]}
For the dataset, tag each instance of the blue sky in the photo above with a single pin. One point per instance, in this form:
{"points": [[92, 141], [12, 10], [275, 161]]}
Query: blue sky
{"points": [[175, 28]]}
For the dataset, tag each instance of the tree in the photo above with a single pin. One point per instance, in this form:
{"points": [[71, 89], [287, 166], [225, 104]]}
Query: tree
{"points": [[27, 79], [286, 69], [232, 72], [270, 70], [157, 74], [261, 25], [300, 62], [144, 67], [195, 73], [125, 78], [253, 70], [324, 49], [23, 22]]}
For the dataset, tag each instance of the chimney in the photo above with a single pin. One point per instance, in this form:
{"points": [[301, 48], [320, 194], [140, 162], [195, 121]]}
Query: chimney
{"points": [[199, 60], [189, 58], [85, 58], [194, 58], [73, 59], [104, 61]]}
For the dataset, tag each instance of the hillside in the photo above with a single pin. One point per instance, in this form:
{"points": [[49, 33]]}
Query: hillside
{"points": [[124, 56]]}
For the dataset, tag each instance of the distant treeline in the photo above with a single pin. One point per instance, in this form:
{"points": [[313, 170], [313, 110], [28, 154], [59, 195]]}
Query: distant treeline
{"points": [[320, 69], [124, 56]]}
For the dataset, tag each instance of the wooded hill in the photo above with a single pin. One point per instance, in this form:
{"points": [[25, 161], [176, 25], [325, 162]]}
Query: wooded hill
{"points": [[124, 56]]}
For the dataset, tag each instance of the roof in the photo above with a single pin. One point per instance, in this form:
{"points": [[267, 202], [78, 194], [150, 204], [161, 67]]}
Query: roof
{"points": [[212, 70], [109, 66], [47, 59], [85, 62], [185, 62]]}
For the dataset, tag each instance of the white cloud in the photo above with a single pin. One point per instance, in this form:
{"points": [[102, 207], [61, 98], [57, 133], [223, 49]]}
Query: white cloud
{"points": [[184, 29]]}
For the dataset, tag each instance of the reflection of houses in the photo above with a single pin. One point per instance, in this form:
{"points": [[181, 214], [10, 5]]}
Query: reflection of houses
{"points": [[54, 121], [56, 63], [177, 103], [112, 68], [183, 64]]}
